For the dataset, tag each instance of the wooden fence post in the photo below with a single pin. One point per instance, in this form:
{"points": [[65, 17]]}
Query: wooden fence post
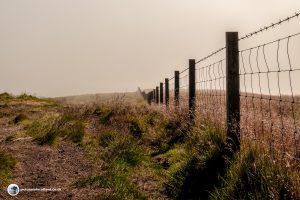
{"points": [[176, 89], [153, 97], [161, 93], [232, 90], [192, 89], [167, 92], [157, 96], [149, 97]]}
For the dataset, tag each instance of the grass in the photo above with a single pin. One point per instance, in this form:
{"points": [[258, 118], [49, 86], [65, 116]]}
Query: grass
{"points": [[137, 126], [19, 118], [125, 153], [254, 175], [104, 114], [118, 183], [7, 162], [203, 169], [121, 155], [195, 164], [107, 137], [42, 130], [49, 129], [143, 149], [5, 96], [27, 97]]}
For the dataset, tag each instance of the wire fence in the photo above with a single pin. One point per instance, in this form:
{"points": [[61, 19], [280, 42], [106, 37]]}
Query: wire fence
{"points": [[210, 93], [269, 104], [269, 92], [183, 88]]}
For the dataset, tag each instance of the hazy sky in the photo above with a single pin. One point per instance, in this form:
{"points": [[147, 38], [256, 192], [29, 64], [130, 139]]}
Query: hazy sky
{"points": [[65, 47]]}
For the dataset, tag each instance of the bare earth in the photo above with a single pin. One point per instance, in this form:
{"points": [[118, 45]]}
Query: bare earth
{"points": [[43, 166]]}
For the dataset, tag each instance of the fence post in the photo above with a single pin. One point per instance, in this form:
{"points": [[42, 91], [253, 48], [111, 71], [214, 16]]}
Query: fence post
{"points": [[149, 97], [192, 89], [232, 90], [176, 89], [153, 97], [157, 96], [161, 93], [167, 92]]}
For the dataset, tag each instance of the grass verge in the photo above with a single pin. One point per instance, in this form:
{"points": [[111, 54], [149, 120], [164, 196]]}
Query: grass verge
{"points": [[7, 162]]}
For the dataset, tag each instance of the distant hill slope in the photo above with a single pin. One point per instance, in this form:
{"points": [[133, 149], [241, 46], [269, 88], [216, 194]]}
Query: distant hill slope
{"points": [[100, 97]]}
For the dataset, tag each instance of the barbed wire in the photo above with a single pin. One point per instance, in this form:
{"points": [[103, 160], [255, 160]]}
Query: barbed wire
{"points": [[272, 25], [290, 36], [269, 115], [184, 70], [210, 55]]}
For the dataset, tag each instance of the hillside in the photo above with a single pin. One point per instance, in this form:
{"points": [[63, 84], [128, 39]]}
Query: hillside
{"points": [[101, 97], [126, 149]]}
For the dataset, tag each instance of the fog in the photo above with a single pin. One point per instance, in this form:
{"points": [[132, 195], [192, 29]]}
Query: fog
{"points": [[66, 47]]}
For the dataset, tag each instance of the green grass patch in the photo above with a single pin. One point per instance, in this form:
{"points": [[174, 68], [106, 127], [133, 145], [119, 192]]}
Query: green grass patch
{"points": [[106, 137], [124, 150], [104, 114], [254, 175], [4, 114], [122, 154], [48, 129], [118, 183], [7, 163], [39, 127], [19, 118], [25, 96], [195, 165], [5, 96], [137, 126]]}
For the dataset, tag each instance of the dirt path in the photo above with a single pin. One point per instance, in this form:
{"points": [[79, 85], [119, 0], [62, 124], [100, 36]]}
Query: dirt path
{"points": [[57, 167]]}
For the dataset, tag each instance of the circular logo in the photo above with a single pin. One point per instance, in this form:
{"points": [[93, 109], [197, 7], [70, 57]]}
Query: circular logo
{"points": [[13, 189]]}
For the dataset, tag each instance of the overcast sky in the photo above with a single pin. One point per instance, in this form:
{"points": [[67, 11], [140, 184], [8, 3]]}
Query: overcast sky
{"points": [[67, 47]]}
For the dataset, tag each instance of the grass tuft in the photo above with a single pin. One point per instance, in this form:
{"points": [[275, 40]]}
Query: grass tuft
{"points": [[254, 175], [19, 118], [106, 138], [124, 150], [25, 96], [104, 114], [7, 162], [121, 155], [5, 96], [48, 129], [137, 126], [195, 165]]}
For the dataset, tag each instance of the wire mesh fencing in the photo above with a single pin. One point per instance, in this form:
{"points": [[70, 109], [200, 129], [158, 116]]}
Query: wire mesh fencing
{"points": [[210, 87], [184, 89], [171, 92], [269, 101], [268, 91]]}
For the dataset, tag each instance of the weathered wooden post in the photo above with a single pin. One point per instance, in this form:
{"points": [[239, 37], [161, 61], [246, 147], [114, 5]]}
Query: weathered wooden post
{"points": [[167, 92], [149, 97], [153, 99], [192, 89], [176, 89], [232, 90], [161, 93], [157, 95]]}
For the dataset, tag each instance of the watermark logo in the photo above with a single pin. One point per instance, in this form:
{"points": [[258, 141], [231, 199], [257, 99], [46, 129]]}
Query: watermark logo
{"points": [[13, 189]]}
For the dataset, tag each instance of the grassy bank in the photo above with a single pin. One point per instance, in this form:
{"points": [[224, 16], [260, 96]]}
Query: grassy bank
{"points": [[142, 152]]}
